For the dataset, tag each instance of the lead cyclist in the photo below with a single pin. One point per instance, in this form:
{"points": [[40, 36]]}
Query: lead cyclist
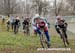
{"points": [[39, 23]]}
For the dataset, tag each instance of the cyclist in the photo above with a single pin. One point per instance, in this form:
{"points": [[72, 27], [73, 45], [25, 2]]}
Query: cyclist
{"points": [[61, 23], [16, 24], [12, 19], [3, 19], [8, 24], [26, 25], [39, 23]]}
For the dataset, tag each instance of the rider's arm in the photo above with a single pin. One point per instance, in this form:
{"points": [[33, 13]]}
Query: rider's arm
{"points": [[65, 23]]}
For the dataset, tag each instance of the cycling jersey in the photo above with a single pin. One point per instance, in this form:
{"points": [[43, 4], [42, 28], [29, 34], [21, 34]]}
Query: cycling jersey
{"points": [[12, 19], [16, 22], [42, 24], [26, 22]]}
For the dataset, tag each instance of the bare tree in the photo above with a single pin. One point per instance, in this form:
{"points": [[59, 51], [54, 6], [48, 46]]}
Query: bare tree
{"points": [[8, 7], [72, 5], [39, 5], [58, 7]]}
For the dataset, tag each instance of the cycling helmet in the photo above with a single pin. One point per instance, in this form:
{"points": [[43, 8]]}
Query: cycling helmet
{"points": [[58, 17], [36, 16]]}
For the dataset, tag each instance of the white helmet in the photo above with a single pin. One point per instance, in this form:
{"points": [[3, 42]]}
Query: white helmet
{"points": [[36, 16]]}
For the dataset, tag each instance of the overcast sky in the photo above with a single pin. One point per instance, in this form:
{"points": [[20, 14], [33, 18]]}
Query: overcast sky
{"points": [[51, 1], [42, 0]]}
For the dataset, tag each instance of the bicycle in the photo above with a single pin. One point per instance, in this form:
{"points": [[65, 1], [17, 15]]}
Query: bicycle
{"points": [[43, 40], [8, 27], [26, 30], [16, 27], [64, 38]]}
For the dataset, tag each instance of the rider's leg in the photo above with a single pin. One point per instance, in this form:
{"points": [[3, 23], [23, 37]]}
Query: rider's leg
{"points": [[65, 33], [28, 30], [12, 26], [7, 27], [47, 35], [38, 31], [64, 30], [15, 29], [48, 38]]}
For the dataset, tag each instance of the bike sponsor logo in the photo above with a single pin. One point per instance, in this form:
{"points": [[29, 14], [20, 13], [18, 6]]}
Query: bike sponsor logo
{"points": [[62, 49]]}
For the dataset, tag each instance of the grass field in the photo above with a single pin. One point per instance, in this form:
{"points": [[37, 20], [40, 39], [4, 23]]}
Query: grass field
{"points": [[11, 43]]}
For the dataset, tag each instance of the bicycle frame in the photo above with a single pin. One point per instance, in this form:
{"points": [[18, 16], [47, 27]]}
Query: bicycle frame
{"points": [[43, 39]]}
